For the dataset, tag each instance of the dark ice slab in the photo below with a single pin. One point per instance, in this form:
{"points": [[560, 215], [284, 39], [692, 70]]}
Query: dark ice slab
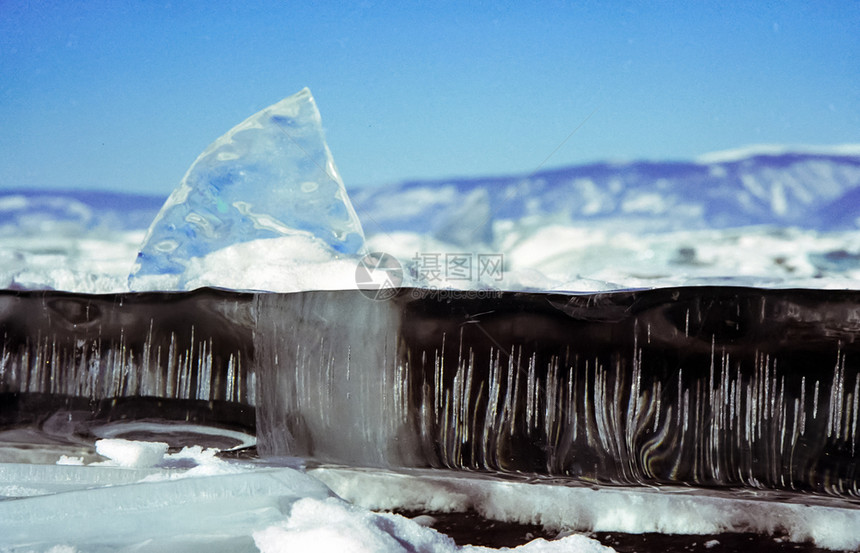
{"points": [[71, 362], [704, 386]]}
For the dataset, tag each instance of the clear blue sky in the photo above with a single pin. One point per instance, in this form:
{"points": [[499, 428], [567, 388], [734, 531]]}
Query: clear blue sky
{"points": [[125, 95]]}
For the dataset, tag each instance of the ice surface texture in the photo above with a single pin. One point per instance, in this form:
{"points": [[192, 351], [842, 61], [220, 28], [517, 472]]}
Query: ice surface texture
{"points": [[270, 176], [154, 515], [227, 507]]}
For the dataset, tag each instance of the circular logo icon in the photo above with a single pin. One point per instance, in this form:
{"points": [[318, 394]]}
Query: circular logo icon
{"points": [[379, 276]]}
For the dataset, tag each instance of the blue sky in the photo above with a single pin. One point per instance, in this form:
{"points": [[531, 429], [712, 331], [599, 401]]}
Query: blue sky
{"points": [[125, 95]]}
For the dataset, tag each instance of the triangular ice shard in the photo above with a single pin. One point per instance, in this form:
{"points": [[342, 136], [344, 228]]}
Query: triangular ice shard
{"points": [[270, 176]]}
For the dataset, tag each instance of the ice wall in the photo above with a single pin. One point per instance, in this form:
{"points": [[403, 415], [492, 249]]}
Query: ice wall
{"points": [[271, 176], [72, 364], [698, 386], [335, 388], [726, 387]]}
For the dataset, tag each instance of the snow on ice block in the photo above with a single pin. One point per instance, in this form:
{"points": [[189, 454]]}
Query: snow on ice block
{"points": [[270, 176], [130, 453], [331, 525], [633, 510]]}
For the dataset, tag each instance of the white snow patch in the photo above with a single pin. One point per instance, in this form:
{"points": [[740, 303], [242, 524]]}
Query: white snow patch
{"points": [[410, 203], [129, 453], [62, 549], [738, 154], [285, 264], [70, 461], [212, 505], [330, 525], [583, 509]]}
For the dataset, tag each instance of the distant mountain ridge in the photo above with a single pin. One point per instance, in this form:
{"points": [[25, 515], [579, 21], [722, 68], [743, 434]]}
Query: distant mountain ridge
{"points": [[817, 189], [74, 211], [774, 185]]}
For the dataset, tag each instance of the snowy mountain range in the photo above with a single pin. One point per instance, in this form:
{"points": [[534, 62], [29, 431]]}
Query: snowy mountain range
{"points": [[30, 212], [818, 189], [808, 188]]}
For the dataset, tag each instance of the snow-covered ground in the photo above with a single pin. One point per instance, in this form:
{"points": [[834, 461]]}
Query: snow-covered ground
{"points": [[557, 257], [142, 498]]}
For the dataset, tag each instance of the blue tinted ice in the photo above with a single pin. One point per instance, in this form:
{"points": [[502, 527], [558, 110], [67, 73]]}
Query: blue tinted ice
{"points": [[153, 515], [270, 176]]}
